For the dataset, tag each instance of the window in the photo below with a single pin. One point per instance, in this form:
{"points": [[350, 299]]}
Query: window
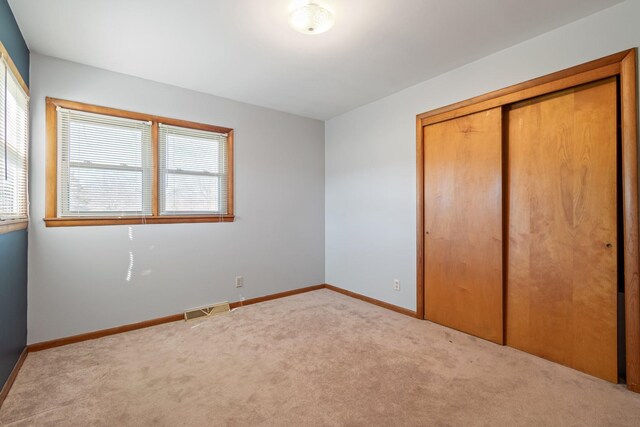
{"points": [[108, 166], [193, 171], [14, 141], [104, 164]]}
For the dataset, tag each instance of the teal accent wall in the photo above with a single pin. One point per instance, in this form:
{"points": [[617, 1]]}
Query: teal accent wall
{"points": [[13, 300], [13, 246], [12, 40]]}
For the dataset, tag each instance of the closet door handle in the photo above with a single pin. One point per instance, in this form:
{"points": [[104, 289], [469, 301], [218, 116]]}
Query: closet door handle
{"points": [[609, 245]]}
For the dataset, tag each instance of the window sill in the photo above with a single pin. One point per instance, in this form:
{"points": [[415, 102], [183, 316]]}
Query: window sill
{"points": [[74, 222], [13, 225]]}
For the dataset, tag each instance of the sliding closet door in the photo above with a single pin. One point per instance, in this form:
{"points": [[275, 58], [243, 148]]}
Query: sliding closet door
{"points": [[463, 224], [561, 287]]}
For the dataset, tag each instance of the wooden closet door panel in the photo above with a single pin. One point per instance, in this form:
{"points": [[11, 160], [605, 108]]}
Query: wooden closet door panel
{"points": [[463, 224], [561, 298]]}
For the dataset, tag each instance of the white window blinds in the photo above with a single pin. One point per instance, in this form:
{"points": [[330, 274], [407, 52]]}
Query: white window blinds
{"points": [[193, 171], [104, 165], [14, 141]]}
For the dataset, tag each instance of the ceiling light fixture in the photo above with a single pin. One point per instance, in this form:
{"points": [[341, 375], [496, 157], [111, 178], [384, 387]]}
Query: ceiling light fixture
{"points": [[311, 18]]}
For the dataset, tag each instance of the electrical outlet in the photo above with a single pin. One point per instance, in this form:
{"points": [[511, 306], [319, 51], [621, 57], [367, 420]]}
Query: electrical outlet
{"points": [[239, 281], [396, 284]]}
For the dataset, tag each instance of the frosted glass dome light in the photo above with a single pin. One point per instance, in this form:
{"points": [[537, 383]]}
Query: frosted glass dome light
{"points": [[311, 19]]}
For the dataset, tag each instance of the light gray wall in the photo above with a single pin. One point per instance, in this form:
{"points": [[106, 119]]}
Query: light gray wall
{"points": [[370, 202], [77, 275]]}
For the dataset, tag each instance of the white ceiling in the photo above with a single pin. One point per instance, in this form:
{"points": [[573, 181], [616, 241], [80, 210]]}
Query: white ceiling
{"points": [[245, 50]]}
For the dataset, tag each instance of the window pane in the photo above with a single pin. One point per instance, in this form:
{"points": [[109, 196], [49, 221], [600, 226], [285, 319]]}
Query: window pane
{"points": [[16, 120], [13, 188], [105, 165], [192, 193], [104, 190], [104, 144], [193, 171], [192, 154], [14, 110]]}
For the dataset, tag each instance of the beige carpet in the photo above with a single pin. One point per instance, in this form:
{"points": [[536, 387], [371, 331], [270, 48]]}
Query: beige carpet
{"points": [[319, 358]]}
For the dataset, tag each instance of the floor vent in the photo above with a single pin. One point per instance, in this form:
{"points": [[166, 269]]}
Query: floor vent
{"points": [[208, 311]]}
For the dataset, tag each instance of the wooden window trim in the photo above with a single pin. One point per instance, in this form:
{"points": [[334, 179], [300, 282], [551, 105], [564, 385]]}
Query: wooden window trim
{"points": [[51, 188], [13, 225], [621, 64], [14, 69]]}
